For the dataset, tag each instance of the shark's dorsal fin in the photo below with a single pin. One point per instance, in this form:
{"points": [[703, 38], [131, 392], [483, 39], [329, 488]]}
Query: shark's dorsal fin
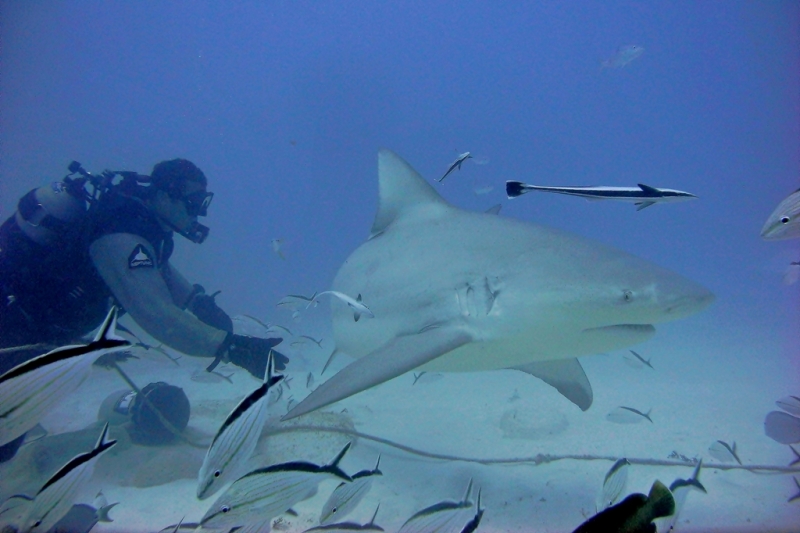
{"points": [[400, 190]]}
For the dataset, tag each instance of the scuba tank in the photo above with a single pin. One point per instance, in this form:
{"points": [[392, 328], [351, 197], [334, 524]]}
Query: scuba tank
{"points": [[44, 214], [47, 213]]}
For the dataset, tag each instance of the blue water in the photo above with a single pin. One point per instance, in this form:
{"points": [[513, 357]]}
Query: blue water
{"points": [[284, 105]]}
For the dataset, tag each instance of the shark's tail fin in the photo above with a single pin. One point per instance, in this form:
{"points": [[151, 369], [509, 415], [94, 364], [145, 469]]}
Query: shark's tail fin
{"points": [[516, 188]]}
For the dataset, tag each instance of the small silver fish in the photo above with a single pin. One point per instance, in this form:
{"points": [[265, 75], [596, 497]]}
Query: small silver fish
{"points": [[59, 493], [624, 55], [441, 517], [479, 191], [312, 339], [792, 273], [628, 415], [782, 427], [456, 164], [426, 377], [796, 494], [790, 404], [784, 222], [346, 496], [237, 437], [276, 247], [295, 301], [201, 375], [614, 484], [680, 489], [636, 361], [31, 389], [347, 527], [267, 492], [724, 452]]}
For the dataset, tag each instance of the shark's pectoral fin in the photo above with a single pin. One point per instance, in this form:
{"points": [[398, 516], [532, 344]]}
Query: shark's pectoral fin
{"points": [[566, 375], [642, 205], [399, 356]]}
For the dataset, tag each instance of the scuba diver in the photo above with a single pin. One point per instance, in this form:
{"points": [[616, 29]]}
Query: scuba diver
{"points": [[68, 255]]}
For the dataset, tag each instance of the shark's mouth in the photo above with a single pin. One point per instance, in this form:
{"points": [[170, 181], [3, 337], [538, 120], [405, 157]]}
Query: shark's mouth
{"points": [[624, 329]]}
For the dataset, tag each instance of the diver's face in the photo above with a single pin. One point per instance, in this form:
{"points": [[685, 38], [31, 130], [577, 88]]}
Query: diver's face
{"points": [[181, 213]]}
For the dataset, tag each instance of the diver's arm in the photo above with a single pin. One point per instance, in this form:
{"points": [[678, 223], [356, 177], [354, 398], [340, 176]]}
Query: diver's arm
{"points": [[179, 287], [142, 291]]}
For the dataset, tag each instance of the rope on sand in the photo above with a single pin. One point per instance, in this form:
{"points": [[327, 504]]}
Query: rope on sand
{"points": [[534, 460]]}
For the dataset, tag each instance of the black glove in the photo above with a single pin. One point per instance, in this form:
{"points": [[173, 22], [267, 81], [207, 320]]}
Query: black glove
{"points": [[205, 308], [251, 353]]}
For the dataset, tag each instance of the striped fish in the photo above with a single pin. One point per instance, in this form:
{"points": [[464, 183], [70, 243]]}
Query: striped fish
{"points": [[31, 389], [345, 527], [628, 415], [267, 492], [722, 451], [237, 437], [57, 495], [456, 164], [347, 496], [784, 221], [473, 524], [613, 484], [642, 195], [680, 489], [443, 517]]}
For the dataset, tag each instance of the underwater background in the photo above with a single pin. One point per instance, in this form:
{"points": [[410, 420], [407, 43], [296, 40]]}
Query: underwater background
{"points": [[284, 106]]}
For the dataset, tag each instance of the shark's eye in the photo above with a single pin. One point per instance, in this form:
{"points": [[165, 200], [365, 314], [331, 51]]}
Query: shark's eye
{"points": [[217, 473], [627, 295], [225, 509], [785, 220]]}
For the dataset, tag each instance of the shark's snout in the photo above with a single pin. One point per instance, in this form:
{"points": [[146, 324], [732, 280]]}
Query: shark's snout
{"points": [[687, 303]]}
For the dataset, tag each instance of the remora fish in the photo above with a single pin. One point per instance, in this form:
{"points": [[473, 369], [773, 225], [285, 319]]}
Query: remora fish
{"points": [[628, 415], [614, 484], [634, 514], [31, 389], [642, 196], [346, 496], [461, 291], [57, 495], [624, 55], [345, 527], [784, 222], [356, 305], [441, 517], [267, 492], [456, 165], [680, 489], [237, 437], [722, 451]]}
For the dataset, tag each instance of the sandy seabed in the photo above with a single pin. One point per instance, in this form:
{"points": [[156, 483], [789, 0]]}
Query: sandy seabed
{"points": [[703, 388]]}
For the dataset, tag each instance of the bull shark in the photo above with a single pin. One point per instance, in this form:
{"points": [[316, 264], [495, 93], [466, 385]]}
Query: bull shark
{"points": [[456, 290]]}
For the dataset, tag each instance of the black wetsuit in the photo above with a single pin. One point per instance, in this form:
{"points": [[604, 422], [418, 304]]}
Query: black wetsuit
{"points": [[54, 294]]}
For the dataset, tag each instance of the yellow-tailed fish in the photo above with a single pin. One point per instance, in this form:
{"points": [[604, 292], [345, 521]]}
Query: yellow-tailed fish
{"points": [[237, 437], [267, 492], [346, 496], [31, 389]]}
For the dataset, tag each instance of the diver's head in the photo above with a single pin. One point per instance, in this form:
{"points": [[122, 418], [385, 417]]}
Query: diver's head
{"points": [[180, 196]]}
